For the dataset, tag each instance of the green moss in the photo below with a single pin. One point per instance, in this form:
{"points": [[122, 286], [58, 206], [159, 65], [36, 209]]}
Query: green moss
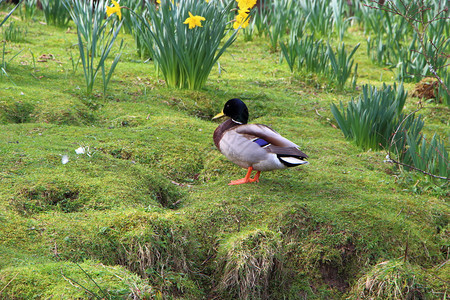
{"points": [[316, 253], [397, 279], [65, 280], [59, 195], [158, 247], [17, 112], [248, 263]]}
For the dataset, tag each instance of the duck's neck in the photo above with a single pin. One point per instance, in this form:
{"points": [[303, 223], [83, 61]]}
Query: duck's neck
{"points": [[220, 130]]}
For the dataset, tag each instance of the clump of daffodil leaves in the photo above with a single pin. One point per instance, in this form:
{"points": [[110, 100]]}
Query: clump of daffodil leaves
{"points": [[96, 37], [187, 36]]}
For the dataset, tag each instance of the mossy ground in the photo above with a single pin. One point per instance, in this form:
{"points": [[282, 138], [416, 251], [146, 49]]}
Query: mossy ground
{"points": [[152, 194]]}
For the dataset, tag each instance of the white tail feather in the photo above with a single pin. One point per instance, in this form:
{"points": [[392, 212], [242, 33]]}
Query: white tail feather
{"points": [[293, 160]]}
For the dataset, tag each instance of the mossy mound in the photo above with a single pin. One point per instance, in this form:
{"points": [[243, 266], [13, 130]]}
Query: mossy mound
{"points": [[159, 247], [56, 280], [83, 187], [249, 263], [56, 194], [33, 108], [398, 279]]}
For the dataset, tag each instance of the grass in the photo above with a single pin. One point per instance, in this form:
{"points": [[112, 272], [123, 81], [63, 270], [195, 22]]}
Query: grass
{"points": [[150, 209]]}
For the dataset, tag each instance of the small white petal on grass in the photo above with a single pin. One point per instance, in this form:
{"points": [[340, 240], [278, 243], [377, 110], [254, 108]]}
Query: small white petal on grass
{"points": [[64, 159], [79, 150]]}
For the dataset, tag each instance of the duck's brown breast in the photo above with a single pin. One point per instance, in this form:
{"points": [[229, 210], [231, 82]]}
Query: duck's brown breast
{"points": [[220, 130]]}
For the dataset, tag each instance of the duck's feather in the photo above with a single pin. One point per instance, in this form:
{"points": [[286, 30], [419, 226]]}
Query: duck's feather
{"points": [[257, 146], [266, 133], [292, 161], [286, 151], [221, 129]]}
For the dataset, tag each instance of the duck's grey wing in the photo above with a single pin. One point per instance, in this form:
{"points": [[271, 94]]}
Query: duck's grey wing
{"points": [[278, 144]]}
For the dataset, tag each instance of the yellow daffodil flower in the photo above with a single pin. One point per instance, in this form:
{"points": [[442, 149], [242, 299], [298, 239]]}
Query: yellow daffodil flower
{"points": [[241, 19], [115, 9], [243, 12], [194, 21], [243, 4]]}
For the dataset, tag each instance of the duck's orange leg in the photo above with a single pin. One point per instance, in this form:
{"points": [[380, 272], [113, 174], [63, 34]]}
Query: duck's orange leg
{"points": [[247, 178], [256, 178]]}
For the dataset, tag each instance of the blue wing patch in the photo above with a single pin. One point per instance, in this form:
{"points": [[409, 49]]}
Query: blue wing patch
{"points": [[261, 142]]}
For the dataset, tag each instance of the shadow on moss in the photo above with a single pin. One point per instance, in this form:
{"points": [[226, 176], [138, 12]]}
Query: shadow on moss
{"points": [[17, 112], [54, 195]]}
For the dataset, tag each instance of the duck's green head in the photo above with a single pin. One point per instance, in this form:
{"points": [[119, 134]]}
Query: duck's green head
{"points": [[236, 110]]}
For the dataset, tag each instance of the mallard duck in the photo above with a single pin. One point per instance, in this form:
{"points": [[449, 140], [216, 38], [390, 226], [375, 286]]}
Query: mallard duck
{"points": [[253, 146]]}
